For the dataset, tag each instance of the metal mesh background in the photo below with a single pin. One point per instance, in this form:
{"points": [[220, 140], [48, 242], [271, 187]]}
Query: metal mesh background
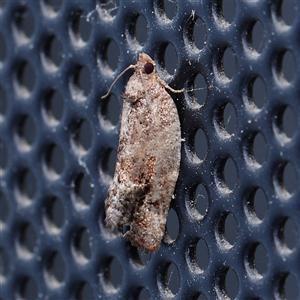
{"points": [[233, 228]]}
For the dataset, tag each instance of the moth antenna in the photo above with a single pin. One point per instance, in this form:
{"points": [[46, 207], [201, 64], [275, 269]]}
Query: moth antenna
{"points": [[121, 74]]}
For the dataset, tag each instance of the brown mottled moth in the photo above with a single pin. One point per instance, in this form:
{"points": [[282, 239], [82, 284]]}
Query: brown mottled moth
{"points": [[148, 158]]}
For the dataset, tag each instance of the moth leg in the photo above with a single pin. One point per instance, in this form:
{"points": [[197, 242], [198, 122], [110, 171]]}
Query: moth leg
{"points": [[168, 87]]}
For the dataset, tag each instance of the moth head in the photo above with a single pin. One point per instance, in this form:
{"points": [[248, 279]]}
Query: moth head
{"points": [[145, 63]]}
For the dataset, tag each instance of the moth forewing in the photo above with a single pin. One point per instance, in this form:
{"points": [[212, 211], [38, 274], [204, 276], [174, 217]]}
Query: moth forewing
{"points": [[148, 159]]}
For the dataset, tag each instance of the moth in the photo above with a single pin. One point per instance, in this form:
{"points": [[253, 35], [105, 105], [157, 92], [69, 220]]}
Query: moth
{"points": [[148, 158]]}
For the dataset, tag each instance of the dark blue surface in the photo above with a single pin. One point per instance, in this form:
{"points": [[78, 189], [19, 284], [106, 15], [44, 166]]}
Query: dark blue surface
{"points": [[234, 225]]}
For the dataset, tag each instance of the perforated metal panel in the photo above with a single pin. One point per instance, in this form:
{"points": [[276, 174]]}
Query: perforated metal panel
{"points": [[234, 225]]}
